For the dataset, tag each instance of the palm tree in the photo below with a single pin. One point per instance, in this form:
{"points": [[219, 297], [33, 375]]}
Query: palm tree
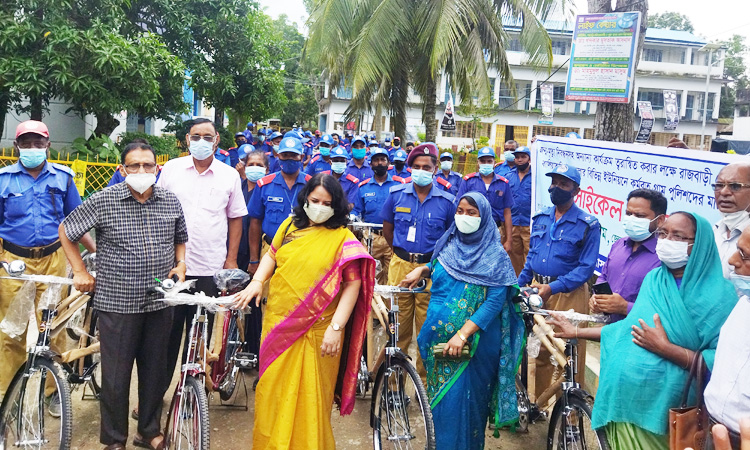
{"points": [[381, 47]]}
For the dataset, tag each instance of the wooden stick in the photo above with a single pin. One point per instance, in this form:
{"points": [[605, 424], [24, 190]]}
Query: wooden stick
{"points": [[551, 391], [78, 353], [547, 329], [559, 357]]}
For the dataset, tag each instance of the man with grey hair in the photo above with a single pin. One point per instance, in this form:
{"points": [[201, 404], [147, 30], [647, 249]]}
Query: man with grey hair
{"points": [[732, 192]]}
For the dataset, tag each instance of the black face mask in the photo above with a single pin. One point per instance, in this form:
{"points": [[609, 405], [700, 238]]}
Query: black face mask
{"points": [[240, 142], [399, 165], [380, 170], [559, 196], [522, 167]]}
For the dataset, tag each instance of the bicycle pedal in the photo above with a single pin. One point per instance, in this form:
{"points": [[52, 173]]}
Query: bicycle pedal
{"points": [[246, 361]]}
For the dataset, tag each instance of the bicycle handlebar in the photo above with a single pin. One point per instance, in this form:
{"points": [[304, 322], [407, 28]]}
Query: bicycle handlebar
{"points": [[531, 303], [16, 268], [386, 289], [365, 225]]}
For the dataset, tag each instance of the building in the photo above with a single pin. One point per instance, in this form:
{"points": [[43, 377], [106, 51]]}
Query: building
{"points": [[670, 60]]}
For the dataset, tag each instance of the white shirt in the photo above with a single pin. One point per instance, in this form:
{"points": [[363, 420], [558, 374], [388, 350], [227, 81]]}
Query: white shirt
{"points": [[726, 246], [727, 395]]}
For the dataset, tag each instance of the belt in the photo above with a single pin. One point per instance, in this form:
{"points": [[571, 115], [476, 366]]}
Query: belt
{"points": [[734, 438], [544, 279], [268, 239], [419, 258], [31, 252]]}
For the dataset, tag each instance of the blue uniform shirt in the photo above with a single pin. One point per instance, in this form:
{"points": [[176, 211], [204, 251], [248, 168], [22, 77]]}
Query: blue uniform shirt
{"points": [[453, 178], [372, 196], [521, 189], [362, 173], [502, 169], [272, 201], [498, 194], [350, 183], [31, 210], [317, 165], [234, 156], [223, 156], [431, 217], [406, 173], [273, 163], [567, 249]]}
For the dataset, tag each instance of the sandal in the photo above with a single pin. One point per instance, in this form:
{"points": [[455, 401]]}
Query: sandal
{"points": [[138, 441]]}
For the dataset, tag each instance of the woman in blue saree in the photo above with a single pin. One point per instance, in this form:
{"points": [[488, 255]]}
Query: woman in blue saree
{"points": [[472, 285]]}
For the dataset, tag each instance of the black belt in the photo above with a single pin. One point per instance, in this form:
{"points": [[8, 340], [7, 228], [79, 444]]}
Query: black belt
{"points": [[268, 239], [734, 438], [419, 258], [31, 252], [544, 279]]}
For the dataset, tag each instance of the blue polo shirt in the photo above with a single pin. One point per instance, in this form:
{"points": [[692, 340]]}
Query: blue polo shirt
{"points": [[406, 173], [32, 209], [498, 194], [431, 217], [317, 165], [362, 173], [272, 200], [502, 169], [372, 196], [453, 178], [567, 249], [521, 189]]}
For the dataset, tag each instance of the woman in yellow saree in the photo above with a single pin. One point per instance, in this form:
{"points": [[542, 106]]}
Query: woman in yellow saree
{"points": [[321, 284]]}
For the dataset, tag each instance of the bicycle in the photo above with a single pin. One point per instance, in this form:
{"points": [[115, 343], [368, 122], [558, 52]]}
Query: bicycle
{"points": [[397, 421], [570, 422]]}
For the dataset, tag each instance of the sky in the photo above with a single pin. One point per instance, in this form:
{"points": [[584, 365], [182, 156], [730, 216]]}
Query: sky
{"points": [[717, 19]]}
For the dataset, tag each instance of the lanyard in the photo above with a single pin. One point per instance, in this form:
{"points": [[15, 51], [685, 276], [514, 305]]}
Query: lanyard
{"points": [[294, 195]]}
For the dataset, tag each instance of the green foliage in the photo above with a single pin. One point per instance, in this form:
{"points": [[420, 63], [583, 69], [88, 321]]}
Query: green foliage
{"points": [[736, 70], [163, 145], [421, 136], [101, 147], [671, 21], [483, 141]]}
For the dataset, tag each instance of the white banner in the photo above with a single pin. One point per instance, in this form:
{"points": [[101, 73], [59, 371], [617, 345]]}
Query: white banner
{"points": [[610, 170]]}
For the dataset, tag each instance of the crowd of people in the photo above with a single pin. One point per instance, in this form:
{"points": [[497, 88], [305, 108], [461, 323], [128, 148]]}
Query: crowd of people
{"points": [[277, 205]]}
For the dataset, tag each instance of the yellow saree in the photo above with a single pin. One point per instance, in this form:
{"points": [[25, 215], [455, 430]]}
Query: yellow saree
{"points": [[298, 386]]}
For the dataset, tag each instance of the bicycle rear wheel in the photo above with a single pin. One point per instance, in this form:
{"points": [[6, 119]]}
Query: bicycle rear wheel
{"points": [[187, 425], [524, 406], [570, 426], [401, 417], [232, 344], [24, 418]]}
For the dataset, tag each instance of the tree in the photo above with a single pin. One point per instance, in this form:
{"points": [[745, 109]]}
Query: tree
{"points": [[671, 21], [477, 110], [735, 69]]}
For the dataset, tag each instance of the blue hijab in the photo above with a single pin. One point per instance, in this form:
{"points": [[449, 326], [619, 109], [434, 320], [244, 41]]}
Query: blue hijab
{"points": [[477, 258]]}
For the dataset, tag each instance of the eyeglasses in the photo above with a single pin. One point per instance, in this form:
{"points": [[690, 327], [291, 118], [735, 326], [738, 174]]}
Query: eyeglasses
{"points": [[734, 187], [134, 168], [743, 256], [198, 137], [661, 234]]}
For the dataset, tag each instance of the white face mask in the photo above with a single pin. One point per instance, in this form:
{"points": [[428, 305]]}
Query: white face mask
{"points": [[201, 150], [318, 213], [140, 182], [255, 173], [467, 224], [446, 165], [338, 167], [737, 220], [637, 228], [674, 254]]}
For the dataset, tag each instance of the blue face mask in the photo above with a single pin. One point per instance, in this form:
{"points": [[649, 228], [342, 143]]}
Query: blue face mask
{"points": [[509, 157], [421, 177], [290, 166], [486, 169], [359, 153], [338, 167], [741, 282], [325, 151], [201, 150], [32, 157], [255, 173]]}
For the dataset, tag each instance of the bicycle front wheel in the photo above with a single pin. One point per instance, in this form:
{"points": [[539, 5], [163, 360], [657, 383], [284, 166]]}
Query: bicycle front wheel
{"points": [[401, 417], [232, 345], [187, 423], [26, 419], [570, 426]]}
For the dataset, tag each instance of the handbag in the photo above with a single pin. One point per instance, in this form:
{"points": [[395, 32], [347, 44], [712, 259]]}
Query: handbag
{"points": [[688, 424]]}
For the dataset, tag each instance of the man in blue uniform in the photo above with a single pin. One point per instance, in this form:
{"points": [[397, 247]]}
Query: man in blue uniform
{"points": [[415, 215], [372, 195], [563, 254], [495, 188], [395, 147], [371, 147], [322, 161], [271, 147], [35, 197], [234, 156], [446, 179], [248, 134], [349, 182], [358, 166], [509, 163], [519, 179], [308, 145], [274, 199], [399, 165]]}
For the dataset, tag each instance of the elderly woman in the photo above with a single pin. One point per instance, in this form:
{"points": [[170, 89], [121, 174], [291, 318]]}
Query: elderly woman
{"points": [[472, 285], [645, 358]]}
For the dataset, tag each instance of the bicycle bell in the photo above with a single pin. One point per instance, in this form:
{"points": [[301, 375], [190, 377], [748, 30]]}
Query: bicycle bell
{"points": [[15, 268], [535, 301], [168, 284]]}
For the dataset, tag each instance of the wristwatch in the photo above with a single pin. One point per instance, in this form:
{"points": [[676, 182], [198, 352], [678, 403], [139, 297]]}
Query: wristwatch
{"points": [[335, 326]]}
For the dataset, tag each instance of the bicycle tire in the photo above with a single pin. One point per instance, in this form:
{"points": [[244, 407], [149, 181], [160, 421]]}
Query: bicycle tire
{"points": [[195, 407], [228, 384], [26, 395], [562, 438], [524, 406], [396, 406]]}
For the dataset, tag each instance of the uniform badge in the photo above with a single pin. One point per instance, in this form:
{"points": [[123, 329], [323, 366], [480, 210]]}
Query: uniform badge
{"points": [[562, 168]]}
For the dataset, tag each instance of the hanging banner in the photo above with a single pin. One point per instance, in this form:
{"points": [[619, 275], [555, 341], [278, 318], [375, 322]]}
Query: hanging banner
{"points": [[548, 110], [647, 122], [601, 58], [79, 168], [671, 111], [448, 123], [610, 170]]}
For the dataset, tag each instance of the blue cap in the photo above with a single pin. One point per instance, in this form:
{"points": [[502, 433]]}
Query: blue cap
{"points": [[486, 151], [566, 171], [239, 133], [447, 155], [359, 139], [274, 135], [327, 139], [249, 124], [400, 156], [373, 143], [308, 133], [290, 145], [387, 139], [339, 152], [244, 150], [573, 135], [378, 151], [522, 150]]}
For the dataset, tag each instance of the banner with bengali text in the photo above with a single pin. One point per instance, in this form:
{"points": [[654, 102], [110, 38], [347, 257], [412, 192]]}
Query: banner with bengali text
{"points": [[610, 170]]}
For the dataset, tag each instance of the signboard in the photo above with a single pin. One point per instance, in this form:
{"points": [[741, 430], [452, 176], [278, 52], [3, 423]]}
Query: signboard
{"points": [[671, 111], [79, 168], [601, 59], [548, 110], [647, 122], [610, 170], [449, 122]]}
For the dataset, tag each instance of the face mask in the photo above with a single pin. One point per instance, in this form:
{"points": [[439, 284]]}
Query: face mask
{"points": [[380, 170], [140, 182], [359, 153], [559, 196], [467, 224], [276, 148], [741, 282], [421, 177], [201, 150], [735, 220], [290, 166], [522, 167], [446, 165], [32, 157], [318, 213], [255, 173], [486, 169], [637, 228], [672, 253], [325, 151], [509, 156], [338, 167], [399, 165]]}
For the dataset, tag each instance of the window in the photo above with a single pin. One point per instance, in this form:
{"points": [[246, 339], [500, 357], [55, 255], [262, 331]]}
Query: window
{"points": [[505, 98], [515, 45], [448, 94], [655, 97], [559, 47], [465, 129], [343, 92], [558, 95], [652, 54]]}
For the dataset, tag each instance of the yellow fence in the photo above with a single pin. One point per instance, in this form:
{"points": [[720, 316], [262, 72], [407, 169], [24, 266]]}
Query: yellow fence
{"points": [[92, 174]]}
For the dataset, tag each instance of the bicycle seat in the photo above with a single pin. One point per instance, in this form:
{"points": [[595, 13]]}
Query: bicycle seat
{"points": [[231, 281]]}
